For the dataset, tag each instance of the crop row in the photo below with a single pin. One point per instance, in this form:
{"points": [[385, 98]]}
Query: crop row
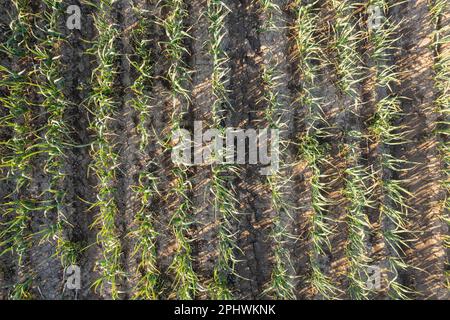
{"points": [[224, 202], [144, 232], [393, 208], [103, 108], [308, 56], [20, 148]]}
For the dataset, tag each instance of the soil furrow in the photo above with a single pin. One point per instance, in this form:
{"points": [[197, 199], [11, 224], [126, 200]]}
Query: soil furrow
{"points": [[415, 60], [244, 27]]}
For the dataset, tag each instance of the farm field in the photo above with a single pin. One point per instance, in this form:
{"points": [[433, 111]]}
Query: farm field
{"points": [[351, 202]]}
